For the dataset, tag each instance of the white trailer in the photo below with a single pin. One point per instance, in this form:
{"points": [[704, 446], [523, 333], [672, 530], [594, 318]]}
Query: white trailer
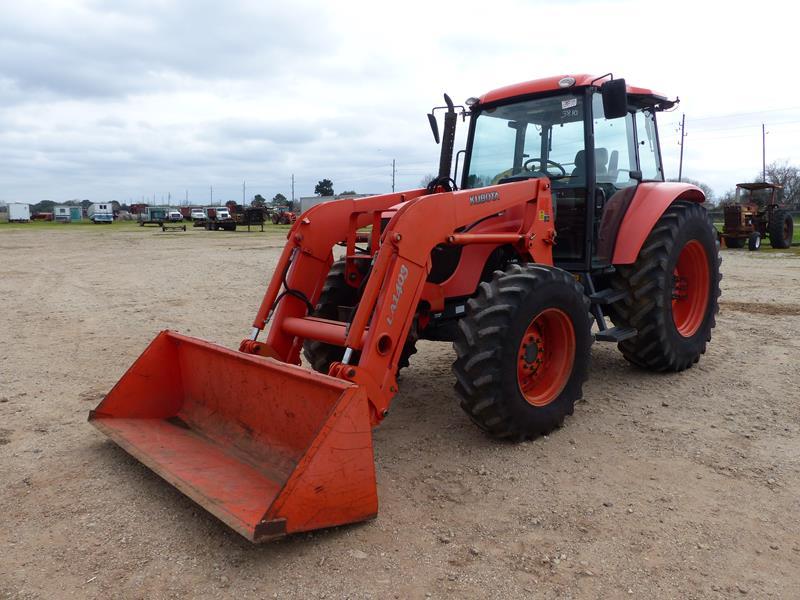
{"points": [[19, 212], [101, 212], [61, 213]]}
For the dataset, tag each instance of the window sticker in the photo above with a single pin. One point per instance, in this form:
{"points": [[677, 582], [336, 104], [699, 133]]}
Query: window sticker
{"points": [[569, 103]]}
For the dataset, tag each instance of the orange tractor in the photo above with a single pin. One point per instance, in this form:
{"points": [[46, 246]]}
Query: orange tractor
{"points": [[561, 219]]}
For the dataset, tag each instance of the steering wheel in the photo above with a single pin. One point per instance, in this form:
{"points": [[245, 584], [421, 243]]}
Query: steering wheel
{"points": [[543, 167]]}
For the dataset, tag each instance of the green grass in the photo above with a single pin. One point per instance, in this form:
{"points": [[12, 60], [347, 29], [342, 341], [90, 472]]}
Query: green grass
{"points": [[765, 243], [117, 225]]}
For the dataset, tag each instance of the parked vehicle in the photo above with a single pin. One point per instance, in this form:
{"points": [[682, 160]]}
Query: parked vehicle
{"points": [[62, 213], [19, 212], [283, 216], [757, 214], [197, 214], [175, 216], [101, 212], [153, 215], [218, 217]]}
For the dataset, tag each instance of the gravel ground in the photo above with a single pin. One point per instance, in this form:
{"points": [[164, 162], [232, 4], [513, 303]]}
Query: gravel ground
{"points": [[670, 486]]}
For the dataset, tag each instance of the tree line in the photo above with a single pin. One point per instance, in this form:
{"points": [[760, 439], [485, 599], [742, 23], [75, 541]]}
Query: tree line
{"points": [[323, 188]]}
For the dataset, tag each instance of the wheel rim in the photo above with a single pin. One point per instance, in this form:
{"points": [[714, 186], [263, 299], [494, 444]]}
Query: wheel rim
{"points": [[545, 357], [690, 290]]}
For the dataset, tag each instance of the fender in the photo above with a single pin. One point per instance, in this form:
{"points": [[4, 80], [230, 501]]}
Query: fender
{"points": [[649, 203]]}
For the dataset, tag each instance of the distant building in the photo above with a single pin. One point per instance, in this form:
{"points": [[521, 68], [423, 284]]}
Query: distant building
{"points": [[67, 213]]}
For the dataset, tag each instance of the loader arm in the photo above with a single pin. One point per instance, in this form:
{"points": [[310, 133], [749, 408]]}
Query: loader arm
{"points": [[304, 263], [398, 275]]}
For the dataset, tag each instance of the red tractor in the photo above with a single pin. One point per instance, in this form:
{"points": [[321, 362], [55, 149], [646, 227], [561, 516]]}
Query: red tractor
{"points": [[561, 219], [283, 216]]}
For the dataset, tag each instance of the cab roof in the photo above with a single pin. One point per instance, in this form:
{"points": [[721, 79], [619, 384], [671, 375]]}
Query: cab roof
{"points": [[759, 185], [550, 84]]}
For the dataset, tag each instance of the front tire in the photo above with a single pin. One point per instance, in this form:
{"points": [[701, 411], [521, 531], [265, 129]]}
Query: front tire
{"points": [[673, 291], [337, 296], [754, 241], [523, 351]]}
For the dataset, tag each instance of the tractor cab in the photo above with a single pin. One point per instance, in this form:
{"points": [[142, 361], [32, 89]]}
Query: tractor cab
{"points": [[594, 138], [761, 194]]}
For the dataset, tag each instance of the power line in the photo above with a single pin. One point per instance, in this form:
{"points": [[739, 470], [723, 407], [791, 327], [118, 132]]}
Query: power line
{"points": [[772, 123], [755, 112]]}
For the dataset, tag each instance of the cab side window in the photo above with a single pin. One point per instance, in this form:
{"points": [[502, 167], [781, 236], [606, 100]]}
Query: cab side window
{"points": [[649, 162], [615, 150]]}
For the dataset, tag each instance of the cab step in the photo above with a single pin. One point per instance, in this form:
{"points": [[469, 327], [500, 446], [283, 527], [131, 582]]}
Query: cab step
{"points": [[615, 334]]}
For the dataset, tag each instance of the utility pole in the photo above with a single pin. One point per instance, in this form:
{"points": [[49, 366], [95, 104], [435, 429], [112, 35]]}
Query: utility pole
{"points": [[683, 135], [763, 154], [244, 186], [292, 189], [186, 200], [211, 187], [393, 172]]}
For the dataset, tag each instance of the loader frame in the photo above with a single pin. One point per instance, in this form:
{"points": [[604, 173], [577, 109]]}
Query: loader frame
{"points": [[397, 281]]}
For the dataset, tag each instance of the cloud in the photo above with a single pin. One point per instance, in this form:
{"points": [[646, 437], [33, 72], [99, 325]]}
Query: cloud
{"points": [[110, 49], [123, 99]]}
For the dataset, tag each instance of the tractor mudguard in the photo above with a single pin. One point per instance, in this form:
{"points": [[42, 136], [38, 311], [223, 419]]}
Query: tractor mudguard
{"points": [[649, 203]]}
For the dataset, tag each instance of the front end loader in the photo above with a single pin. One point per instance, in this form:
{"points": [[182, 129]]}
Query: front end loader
{"points": [[548, 234]]}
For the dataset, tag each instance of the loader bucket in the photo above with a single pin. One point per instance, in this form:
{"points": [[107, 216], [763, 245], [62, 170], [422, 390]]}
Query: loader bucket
{"points": [[268, 448]]}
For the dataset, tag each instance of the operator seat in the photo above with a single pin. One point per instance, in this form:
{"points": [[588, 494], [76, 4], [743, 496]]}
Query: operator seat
{"points": [[600, 162]]}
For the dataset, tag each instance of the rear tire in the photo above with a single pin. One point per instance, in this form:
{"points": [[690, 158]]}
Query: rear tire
{"points": [[337, 293], [732, 242], [673, 315], [523, 351], [781, 229]]}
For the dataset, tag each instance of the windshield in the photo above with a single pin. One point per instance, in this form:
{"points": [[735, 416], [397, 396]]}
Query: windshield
{"points": [[760, 196], [543, 136]]}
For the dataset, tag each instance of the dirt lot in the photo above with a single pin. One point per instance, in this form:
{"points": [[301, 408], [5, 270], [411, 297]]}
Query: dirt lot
{"points": [[669, 486]]}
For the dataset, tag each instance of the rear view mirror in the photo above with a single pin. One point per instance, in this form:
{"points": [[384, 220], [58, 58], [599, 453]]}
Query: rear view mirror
{"points": [[615, 98], [434, 127]]}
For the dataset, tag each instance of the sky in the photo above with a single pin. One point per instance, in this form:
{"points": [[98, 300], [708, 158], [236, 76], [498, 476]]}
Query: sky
{"points": [[156, 100]]}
